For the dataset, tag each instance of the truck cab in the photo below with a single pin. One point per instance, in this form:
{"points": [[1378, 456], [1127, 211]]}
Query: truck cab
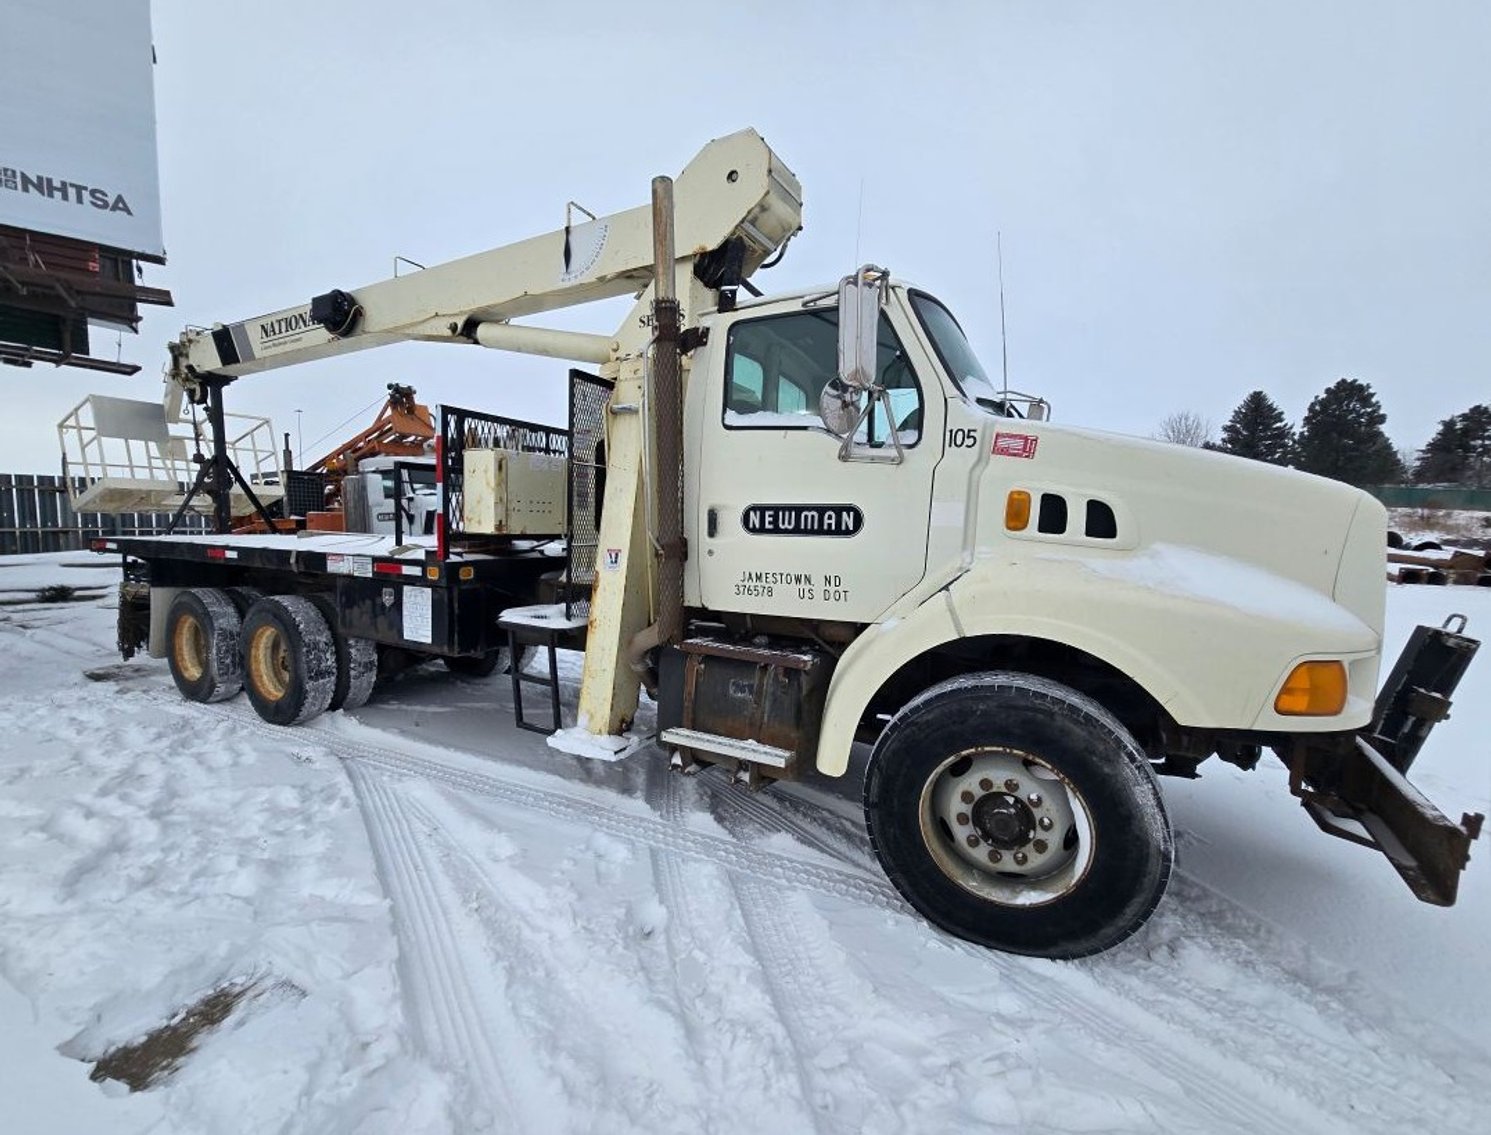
{"points": [[380, 488], [947, 506]]}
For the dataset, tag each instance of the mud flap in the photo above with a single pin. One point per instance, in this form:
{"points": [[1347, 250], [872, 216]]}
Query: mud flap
{"points": [[1354, 785]]}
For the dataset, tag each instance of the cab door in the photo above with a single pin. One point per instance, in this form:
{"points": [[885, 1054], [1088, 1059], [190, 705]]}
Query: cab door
{"points": [[783, 525]]}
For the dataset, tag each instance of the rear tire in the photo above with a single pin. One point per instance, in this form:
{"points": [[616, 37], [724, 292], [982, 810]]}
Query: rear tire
{"points": [[485, 665], [1016, 813], [289, 659], [357, 670], [477, 666], [202, 635], [242, 599], [357, 660]]}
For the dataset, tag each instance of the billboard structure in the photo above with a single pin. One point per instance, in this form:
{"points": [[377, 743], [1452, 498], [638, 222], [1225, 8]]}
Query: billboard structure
{"points": [[79, 184]]}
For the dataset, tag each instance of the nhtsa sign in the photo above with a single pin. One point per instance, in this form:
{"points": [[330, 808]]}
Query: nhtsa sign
{"points": [[74, 192], [77, 122]]}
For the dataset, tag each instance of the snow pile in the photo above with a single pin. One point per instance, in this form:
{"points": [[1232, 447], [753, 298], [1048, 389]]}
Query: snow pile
{"points": [[156, 851]]}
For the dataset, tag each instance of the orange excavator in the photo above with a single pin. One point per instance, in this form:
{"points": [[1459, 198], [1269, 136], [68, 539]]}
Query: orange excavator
{"points": [[403, 428]]}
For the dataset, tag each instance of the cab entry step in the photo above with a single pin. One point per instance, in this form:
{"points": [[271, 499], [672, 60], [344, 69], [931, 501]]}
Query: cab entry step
{"points": [[548, 626]]}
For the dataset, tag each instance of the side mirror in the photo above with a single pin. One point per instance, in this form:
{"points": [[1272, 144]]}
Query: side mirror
{"points": [[849, 398], [860, 298]]}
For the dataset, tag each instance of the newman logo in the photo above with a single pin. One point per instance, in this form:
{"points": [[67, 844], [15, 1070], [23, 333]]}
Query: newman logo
{"points": [[802, 519], [1015, 445], [67, 192]]}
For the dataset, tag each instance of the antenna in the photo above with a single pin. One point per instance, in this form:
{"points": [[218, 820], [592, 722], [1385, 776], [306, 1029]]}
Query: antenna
{"points": [[859, 223], [1004, 347]]}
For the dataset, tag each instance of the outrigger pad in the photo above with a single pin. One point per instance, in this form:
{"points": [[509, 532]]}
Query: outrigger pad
{"points": [[1354, 784], [1352, 792]]}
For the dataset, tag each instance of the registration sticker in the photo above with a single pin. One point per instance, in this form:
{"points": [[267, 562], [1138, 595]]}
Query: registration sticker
{"points": [[1015, 445]]}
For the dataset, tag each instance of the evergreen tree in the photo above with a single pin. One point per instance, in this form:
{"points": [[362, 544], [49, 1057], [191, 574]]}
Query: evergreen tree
{"points": [[1460, 452], [1442, 461], [1342, 437], [1258, 429]]}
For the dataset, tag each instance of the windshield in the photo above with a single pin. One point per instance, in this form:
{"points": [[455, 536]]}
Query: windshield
{"points": [[957, 356]]}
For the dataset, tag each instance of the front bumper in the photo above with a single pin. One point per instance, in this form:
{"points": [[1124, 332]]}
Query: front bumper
{"points": [[1355, 785]]}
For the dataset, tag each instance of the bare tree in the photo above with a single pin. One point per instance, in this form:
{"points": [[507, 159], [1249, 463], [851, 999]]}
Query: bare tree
{"points": [[1184, 427]]}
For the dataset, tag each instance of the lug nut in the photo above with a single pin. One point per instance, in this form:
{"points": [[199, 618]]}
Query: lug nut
{"points": [[973, 841], [1039, 846], [986, 784], [1045, 823], [1012, 785], [1034, 799], [963, 819], [995, 856], [966, 796], [1020, 858]]}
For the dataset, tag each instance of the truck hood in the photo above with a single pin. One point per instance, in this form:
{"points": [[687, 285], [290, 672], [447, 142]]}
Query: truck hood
{"points": [[1318, 534]]}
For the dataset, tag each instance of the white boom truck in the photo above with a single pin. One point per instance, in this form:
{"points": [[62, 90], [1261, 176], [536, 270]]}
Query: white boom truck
{"points": [[811, 520]]}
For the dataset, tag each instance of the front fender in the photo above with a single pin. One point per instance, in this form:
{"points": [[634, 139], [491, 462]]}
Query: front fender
{"points": [[1210, 639]]}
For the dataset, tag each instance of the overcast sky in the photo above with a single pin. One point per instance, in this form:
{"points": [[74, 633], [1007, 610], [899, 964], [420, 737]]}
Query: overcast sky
{"points": [[1196, 200]]}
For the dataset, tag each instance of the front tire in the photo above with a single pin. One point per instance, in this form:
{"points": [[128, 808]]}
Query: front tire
{"points": [[1017, 813], [289, 659], [202, 632]]}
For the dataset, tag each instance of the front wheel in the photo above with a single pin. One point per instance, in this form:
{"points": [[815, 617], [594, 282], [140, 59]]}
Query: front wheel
{"points": [[1017, 813]]}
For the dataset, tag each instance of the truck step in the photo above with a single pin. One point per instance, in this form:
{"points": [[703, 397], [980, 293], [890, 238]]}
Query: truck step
{"points": [[753, 752]]}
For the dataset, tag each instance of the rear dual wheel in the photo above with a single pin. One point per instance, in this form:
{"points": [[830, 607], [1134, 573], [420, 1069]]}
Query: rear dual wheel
{"points": [[1017, 813], [289, 659], [356, 658], [202, 636]]}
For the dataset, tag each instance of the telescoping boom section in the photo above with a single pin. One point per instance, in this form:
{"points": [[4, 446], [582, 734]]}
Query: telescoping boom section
{"points": [[736, 199]]}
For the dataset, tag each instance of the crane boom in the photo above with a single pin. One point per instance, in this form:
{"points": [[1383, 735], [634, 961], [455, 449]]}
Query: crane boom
{"points": [[736, 187]]}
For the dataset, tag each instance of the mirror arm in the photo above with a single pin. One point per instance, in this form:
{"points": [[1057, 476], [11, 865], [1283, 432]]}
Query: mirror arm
{"points": [[847, 451]]}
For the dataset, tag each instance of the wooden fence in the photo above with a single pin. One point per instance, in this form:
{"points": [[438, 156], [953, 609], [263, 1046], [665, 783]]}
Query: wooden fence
{"points": [[36, 516]]}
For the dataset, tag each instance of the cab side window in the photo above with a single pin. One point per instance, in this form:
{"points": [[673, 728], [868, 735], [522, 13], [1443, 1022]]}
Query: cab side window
{"points": [[777, 366]]}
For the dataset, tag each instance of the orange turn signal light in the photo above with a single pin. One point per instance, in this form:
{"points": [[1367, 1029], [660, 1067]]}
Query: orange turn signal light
{"points": [[1017, 510], [1313, 689]]}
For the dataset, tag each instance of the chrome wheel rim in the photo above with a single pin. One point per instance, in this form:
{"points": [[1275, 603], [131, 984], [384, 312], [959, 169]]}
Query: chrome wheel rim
{"points": [[1006, 826]]}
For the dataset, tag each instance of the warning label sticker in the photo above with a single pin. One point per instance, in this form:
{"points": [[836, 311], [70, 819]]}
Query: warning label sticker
{"points": [[418, 625]]}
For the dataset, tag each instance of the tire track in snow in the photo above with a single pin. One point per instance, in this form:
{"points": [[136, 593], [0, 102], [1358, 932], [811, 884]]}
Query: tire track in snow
{"points": [[661, 790], [781, 970], [1348, 1057], [637, 827], [1215, 1082], [664, 793], [779, 817], [445, 1006], [1231, 1105], [1207, 1077]]}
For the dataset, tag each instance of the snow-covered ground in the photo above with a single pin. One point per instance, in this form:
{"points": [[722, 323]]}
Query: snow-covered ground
{"points": [[450, 927]]}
